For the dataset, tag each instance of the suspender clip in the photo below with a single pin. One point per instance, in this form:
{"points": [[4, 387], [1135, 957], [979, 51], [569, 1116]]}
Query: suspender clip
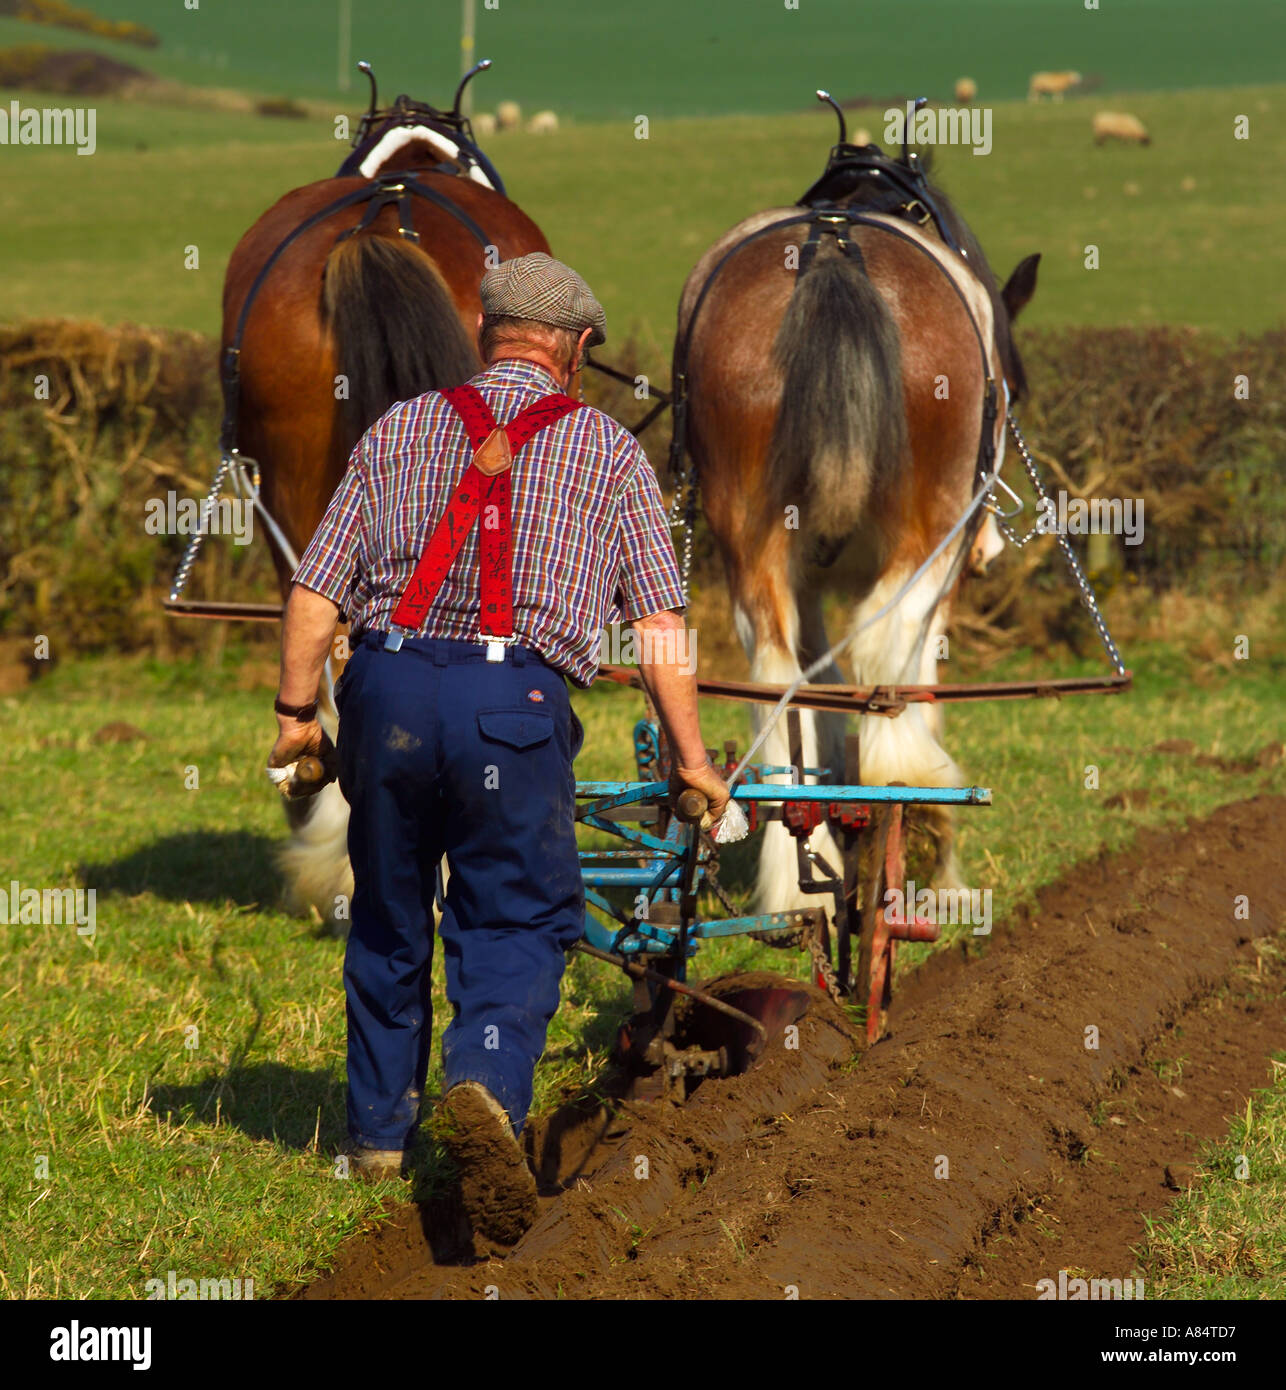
{"points": [[393, 642], [496, 644]]}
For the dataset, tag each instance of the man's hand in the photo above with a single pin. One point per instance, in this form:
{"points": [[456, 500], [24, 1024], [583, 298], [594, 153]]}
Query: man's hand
{"points": [[296, 740], [708, 781], [307, 628]]}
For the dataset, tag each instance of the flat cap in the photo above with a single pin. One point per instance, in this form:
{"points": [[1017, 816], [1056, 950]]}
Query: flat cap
{"points": [[538, 287]]}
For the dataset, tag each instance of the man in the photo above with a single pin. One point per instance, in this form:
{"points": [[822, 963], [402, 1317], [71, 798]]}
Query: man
{"points": [[478, 566]]}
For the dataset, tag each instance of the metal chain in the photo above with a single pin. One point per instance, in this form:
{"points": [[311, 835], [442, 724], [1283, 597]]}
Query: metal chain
{"points": [[194, 544], [721, 893], [1088, 597], [825, 970], [681, 515]]}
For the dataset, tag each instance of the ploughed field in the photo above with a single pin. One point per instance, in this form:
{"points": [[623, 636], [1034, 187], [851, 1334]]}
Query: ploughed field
{"points": [[988, 1143]]}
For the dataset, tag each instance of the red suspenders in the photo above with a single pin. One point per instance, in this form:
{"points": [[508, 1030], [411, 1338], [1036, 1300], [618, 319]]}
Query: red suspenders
{"points": [[485, 488]]}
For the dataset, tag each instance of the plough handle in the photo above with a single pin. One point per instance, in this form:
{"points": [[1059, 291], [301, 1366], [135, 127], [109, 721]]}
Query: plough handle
{"points": [[692, 806], [310, 769]]}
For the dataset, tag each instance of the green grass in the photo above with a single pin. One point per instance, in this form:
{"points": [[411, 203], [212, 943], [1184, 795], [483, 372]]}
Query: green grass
{"points": [[213, 1159], [1224, 1237], [599, 58], [105, 237]]}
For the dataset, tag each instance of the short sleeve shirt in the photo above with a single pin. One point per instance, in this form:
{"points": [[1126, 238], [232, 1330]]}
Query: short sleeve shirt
{"points": [[591, 544]]}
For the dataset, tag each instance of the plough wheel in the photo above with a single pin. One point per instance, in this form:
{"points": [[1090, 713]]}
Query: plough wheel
{"points": [[881, 931]]}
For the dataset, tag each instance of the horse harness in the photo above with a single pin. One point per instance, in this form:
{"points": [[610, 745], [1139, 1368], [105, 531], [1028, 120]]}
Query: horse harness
{"points": [[900, 190], [398, 188]]}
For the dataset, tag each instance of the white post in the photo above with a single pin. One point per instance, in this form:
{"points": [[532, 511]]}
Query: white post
{"points": [[466, 54], [345, 44]]}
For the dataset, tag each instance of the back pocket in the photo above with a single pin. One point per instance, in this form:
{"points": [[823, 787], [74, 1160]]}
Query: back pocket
{"points": [[516, 728]]}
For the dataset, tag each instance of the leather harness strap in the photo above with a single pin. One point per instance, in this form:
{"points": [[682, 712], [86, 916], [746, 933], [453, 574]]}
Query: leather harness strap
{"points": [[398, 187], [836, 227], [484, 487]]}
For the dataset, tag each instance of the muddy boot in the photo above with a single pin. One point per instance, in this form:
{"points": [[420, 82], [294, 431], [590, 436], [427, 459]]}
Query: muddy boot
{"points": [[497, 1187]]}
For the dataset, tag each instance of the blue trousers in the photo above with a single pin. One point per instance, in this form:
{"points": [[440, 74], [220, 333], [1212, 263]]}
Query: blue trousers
{"points": [[442, 752]]}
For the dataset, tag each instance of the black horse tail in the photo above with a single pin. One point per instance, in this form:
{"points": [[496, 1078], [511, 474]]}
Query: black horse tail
{"points": [[841, 431], [395, 326]]}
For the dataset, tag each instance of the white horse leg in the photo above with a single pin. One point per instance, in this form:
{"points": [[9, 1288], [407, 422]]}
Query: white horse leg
{"points": [[777, 887], [902, 649]]}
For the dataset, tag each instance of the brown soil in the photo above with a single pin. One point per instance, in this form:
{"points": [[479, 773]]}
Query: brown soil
{"points": [[981, 1147]]}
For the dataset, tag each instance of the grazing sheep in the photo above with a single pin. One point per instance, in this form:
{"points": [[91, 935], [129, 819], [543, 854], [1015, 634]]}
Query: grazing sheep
{"points": [[1116, 125], [966, 90], [484, 123], [1052, 84], [508, 115], [543, 123]]}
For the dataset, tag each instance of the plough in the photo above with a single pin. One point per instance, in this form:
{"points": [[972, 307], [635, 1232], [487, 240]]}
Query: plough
{"points": [[666, 867], [662, 864]]}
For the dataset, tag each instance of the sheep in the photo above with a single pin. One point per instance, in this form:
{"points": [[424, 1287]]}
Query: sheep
{"points": [[1116, 125], [966, 90], [1053, 84], [543, 123], [484, 124], [508, 115]]}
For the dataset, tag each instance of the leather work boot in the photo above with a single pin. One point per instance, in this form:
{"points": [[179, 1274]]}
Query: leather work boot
{"points": [[497, 1186], [375, 1165]]}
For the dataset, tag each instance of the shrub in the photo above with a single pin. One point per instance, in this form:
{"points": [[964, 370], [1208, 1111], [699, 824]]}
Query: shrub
{"points": [[133, 412]]}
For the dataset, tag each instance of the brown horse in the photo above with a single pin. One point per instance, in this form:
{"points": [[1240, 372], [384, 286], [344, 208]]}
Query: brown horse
{"points": [[338, 330], [836, 408]]}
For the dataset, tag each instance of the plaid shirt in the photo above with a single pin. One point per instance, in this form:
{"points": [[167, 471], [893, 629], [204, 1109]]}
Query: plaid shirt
{"points": [[590, 540]]}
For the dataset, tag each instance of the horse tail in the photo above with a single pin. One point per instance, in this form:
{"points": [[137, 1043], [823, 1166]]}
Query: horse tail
{"points": [[395, 325], [841, 431]]}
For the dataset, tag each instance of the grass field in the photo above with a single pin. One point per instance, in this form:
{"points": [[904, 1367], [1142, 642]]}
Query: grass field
{"points": [[182, 1071], [1224, 1237], [609, 58], [1186, 229]]}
